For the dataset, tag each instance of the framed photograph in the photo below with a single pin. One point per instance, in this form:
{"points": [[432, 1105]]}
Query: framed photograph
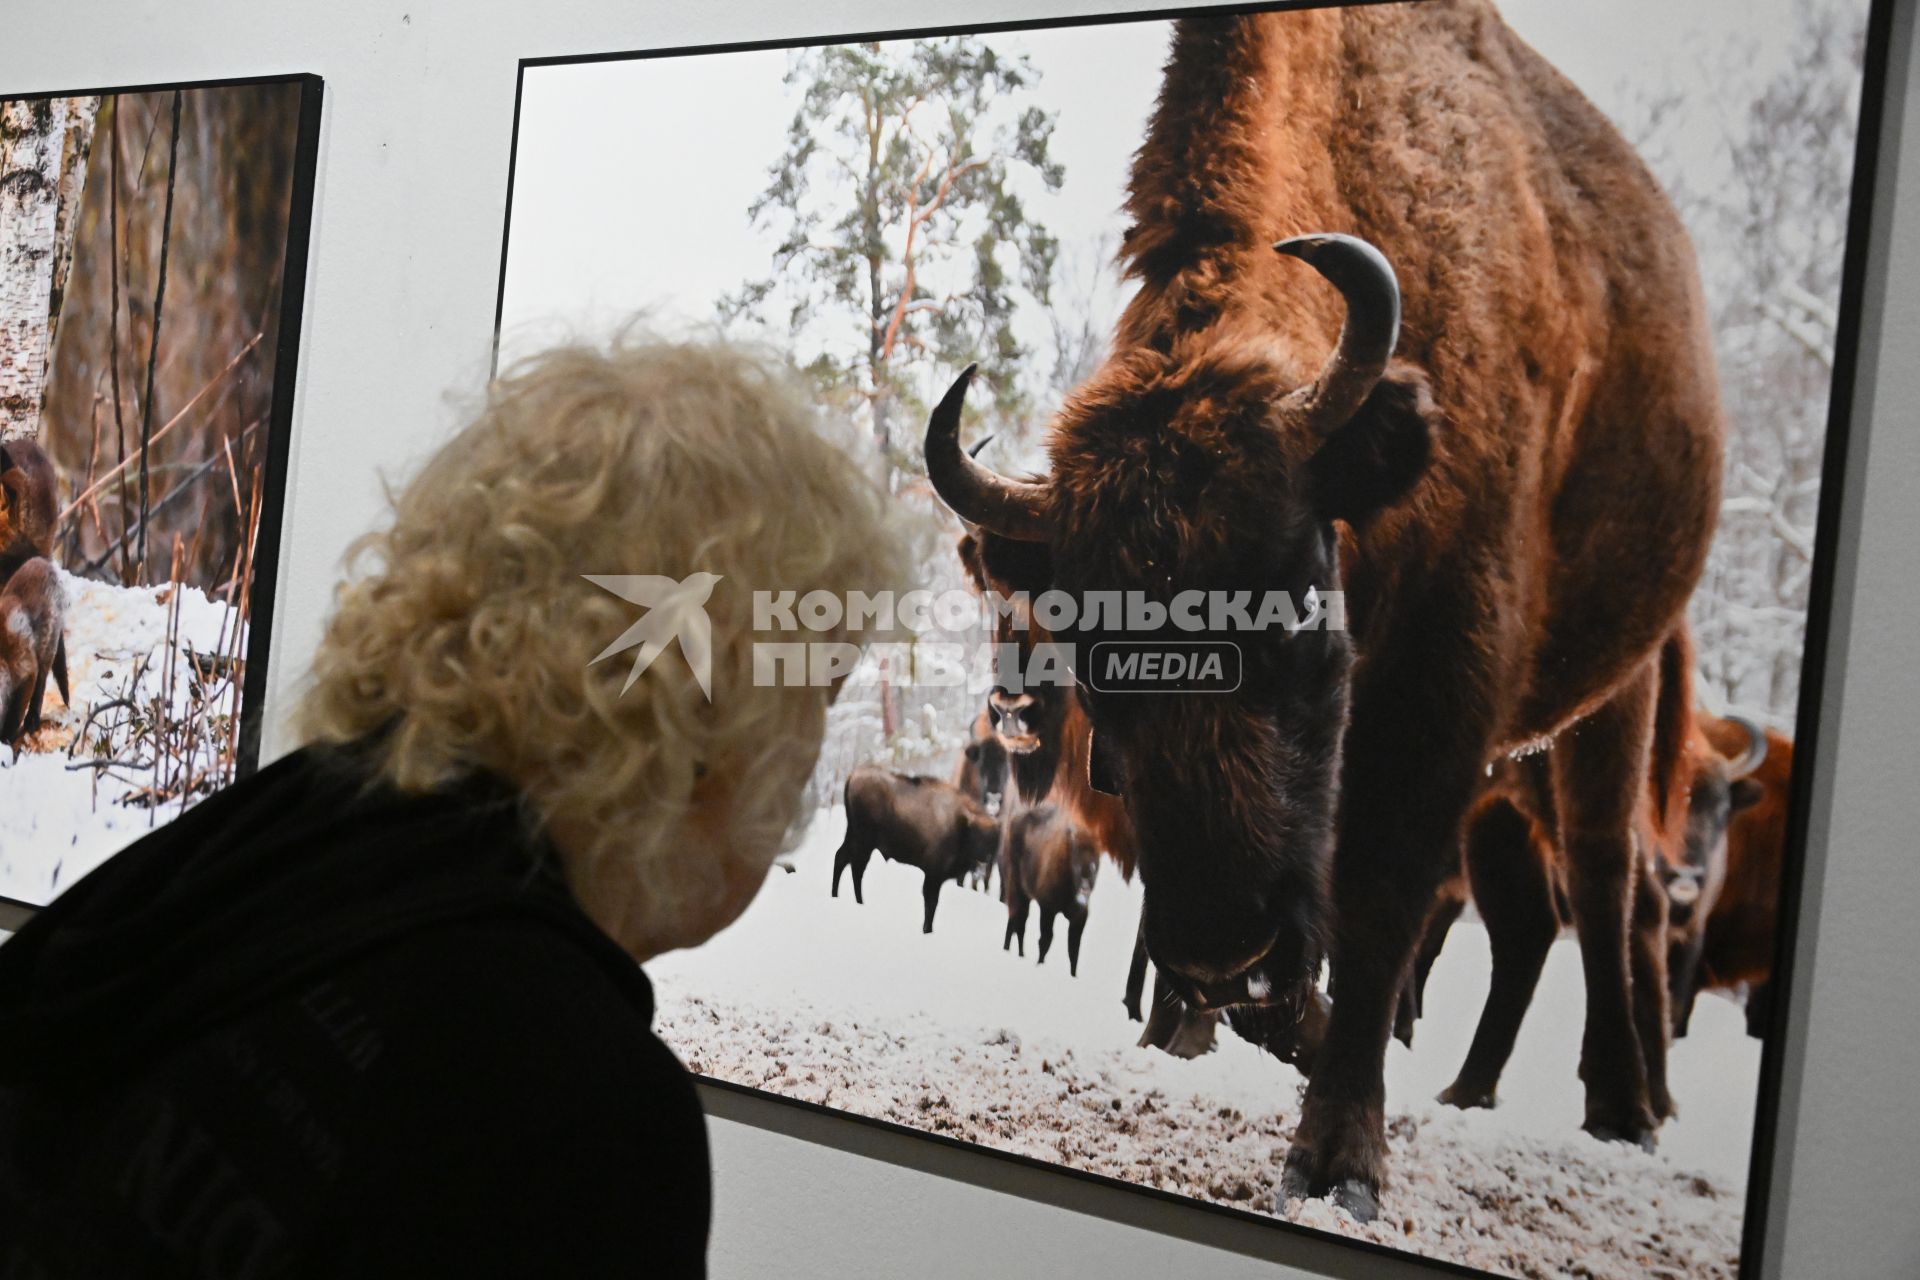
{"points": [[1372, 471], [153, 255]]}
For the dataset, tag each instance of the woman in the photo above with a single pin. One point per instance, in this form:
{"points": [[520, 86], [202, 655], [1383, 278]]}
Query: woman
{"points": [[375, 1011]]}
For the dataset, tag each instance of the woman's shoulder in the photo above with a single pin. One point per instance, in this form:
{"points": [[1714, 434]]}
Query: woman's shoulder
{"points": [[529, 992]]}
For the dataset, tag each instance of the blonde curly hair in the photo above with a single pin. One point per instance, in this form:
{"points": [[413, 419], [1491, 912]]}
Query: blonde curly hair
{"points": [[471, 645]]}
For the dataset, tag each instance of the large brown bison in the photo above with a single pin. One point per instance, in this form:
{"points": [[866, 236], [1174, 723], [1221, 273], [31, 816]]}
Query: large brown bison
{"points": [[1514, 485], [921, 822]]}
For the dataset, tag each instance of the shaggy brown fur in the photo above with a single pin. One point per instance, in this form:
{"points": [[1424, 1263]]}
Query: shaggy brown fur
{"points": [[33, 645], [29, 505], [1517, 514]]}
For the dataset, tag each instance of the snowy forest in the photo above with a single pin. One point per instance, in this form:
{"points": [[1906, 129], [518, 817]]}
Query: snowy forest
{"points": [[142, 248]]}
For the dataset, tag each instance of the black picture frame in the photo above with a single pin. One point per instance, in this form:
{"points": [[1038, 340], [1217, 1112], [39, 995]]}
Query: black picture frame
{"points": [[816, 1122], [293, 284]]}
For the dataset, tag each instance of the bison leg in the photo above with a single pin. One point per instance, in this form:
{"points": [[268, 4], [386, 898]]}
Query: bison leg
{"points": [[1413, 996], [36, 700], [1076, 925], [1137, 972], [1652, 1017], [1340, 1146], [1513, 887], [1406, 794], [1017, 924], [1600, 770], [1683, 980], [855, 852], [1046, 932], [930, 893]]}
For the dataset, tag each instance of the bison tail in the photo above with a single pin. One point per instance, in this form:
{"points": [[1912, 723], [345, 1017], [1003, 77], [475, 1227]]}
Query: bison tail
{"points": [[1669, 779]]}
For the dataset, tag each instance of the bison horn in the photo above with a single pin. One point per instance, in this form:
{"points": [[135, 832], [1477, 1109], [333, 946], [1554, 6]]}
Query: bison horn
{"points": [[1365, 279], [1014, 509], [1754, 755]]}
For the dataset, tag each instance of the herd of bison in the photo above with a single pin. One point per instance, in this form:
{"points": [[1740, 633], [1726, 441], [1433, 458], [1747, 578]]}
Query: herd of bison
{"points": [[1413, 323]]}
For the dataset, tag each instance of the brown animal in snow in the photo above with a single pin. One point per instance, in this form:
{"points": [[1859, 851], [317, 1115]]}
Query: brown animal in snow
{"points": [[921, 822], [29, 506], [1047, 862], [1694, 872], [1736, 948], [33, 645], [982, 775], [1498, 435]]}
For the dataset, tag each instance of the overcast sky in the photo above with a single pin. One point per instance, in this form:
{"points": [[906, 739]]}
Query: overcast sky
{"points": [[633, 178]]}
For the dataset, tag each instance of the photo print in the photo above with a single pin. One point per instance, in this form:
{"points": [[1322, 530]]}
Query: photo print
{"points": [[153, 247], [1386, 450]]}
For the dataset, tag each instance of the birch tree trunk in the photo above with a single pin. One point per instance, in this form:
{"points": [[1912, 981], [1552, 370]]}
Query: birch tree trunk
{"points": [[43, 169]]}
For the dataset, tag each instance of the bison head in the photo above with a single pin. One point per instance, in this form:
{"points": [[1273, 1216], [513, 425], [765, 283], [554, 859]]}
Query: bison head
{"points": [[1218, 467], [1721, 788]]}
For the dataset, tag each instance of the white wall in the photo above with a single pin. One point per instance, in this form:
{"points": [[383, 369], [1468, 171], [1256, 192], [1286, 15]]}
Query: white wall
{"points": [[406, 252]]}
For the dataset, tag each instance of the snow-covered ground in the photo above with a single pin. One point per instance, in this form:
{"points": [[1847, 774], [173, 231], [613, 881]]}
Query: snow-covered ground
{"points": [[821, 999], [56, 822]]}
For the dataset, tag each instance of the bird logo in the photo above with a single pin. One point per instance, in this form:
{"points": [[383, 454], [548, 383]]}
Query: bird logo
{"points": [[675, 610]]}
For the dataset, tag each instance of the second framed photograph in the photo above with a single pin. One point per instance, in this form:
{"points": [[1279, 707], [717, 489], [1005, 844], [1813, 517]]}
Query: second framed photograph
{"points": [[153, 255], [1371, 476]]}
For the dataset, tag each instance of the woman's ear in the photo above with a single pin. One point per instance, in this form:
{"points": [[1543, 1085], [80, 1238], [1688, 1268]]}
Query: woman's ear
{"points": [[1372, 461]]}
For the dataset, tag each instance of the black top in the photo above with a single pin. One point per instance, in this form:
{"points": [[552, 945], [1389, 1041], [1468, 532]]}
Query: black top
{"points": [[316, 1027]]}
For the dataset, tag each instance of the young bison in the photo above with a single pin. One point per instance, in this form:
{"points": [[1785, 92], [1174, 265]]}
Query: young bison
{"points": [[32, 644], [1050, 861], [922, 822], [981, 775], [1724, 932], [28, 507]]}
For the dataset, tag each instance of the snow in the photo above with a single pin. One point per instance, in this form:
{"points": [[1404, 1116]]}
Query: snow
{"points": [[55, 824], [828, 1001]]}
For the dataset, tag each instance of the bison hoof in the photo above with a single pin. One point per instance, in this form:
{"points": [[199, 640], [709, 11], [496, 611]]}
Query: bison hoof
{"points": [[1468, 1098], [1642, 1138], [1133, 1011], [1300, 1181]]}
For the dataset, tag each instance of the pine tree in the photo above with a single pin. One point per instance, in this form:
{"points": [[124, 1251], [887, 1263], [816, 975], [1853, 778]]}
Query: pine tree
{"points": [[903, 239]]}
